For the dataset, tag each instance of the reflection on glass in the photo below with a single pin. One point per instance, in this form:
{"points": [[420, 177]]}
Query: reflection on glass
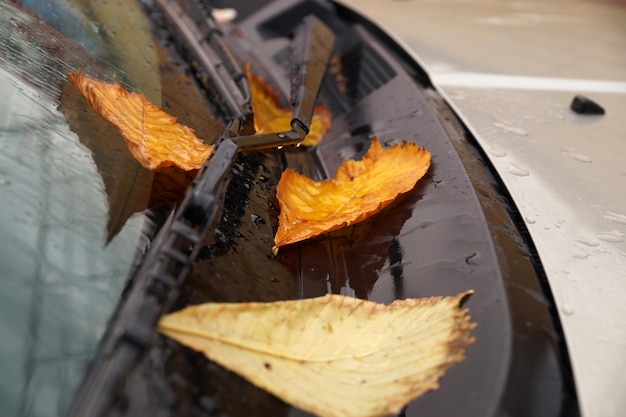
{"points": [[59, 282], [59, 279]]}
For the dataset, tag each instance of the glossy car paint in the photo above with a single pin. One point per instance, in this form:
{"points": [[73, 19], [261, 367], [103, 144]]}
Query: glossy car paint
{"points": [[511, 70]]}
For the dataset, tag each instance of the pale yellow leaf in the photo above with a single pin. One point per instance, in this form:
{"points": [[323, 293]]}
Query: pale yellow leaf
{"points": [[332, 355]]}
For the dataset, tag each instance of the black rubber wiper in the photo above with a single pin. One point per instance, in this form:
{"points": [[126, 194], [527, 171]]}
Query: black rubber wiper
{"points": [[312, 45], [154, 284], [204, 43]]}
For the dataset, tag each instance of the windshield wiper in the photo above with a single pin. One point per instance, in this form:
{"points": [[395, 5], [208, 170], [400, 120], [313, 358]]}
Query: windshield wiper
{"points": [[154, 284], [205, 44], [312, 43]]}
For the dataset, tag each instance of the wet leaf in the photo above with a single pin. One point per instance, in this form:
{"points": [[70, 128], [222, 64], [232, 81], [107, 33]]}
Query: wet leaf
{"points": [[127, 184], [154, 137], [270, 117], [332, 355], [359, 190]]}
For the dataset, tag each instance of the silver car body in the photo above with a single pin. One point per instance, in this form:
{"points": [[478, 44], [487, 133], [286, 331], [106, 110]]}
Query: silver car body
{"points": [[510, 70]]}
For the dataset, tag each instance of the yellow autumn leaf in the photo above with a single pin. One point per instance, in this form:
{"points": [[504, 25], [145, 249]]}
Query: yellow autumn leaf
{"points": [[153, 137], [331, 355], [269, 117], [359, 190]]}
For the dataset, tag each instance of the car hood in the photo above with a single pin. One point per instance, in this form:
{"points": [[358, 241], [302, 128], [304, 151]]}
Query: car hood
{"points": [[510, 71]]}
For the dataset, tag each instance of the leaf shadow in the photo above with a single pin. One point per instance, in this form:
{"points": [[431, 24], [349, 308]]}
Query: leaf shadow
{"points": [[127, 184], [351, 260]]}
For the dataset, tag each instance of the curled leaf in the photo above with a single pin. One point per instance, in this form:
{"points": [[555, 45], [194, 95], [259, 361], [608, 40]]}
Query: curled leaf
{"points": [[153, 137], [359, 190], [270, 117], [332, 355]]}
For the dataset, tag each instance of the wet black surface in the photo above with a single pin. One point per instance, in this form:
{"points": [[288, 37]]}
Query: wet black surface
{"points": [[451, 233]]}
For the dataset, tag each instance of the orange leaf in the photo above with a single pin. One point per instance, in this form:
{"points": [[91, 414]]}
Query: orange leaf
{"points": [[359, 190], [270, 117], [154, 137]]}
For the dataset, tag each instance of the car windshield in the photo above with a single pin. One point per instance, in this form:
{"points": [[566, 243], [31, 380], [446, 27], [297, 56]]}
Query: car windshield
{"points": [[69, 231]]}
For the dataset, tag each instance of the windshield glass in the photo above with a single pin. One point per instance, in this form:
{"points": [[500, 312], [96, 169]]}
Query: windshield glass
{"points": [[71, 197]]}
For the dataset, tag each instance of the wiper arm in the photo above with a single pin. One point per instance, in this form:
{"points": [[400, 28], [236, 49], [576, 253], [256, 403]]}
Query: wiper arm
{"points": [[312, 47]]}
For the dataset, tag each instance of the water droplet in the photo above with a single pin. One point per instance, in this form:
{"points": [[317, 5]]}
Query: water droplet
{"points": [[474, 259], [298, 144], [518, 170], [219, 236], [279, 147], [207, 404], [497, 152], [225, 15], [257, 219], [282, 135], [578, 157], [546, 227], [590, 243], [511, 129], [581, 256], [567, 309], [347, 291], [530, 220], [613, 236], [615, 217]]}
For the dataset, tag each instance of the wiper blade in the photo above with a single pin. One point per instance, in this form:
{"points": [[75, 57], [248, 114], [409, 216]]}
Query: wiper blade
{"points": [[206, 45], [154, 284]]}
